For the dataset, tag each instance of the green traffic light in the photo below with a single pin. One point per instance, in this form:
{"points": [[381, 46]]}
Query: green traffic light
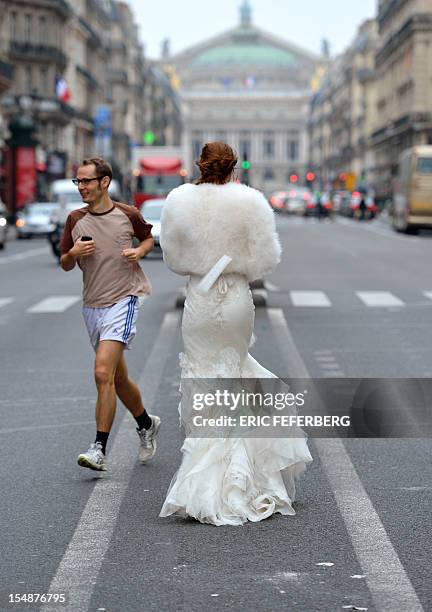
{"points": [[149, 137], [246, 165]]}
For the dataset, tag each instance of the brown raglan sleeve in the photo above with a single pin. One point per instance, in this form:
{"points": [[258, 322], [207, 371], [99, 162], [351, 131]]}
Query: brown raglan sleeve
{"points": [[67, 240], [142, 229]]}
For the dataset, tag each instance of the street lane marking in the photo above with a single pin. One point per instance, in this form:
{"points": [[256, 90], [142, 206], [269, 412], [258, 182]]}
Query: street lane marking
{"points": [[379, 298], [79, 568], [310, 298], [25, 255], [12, 430], [5, 301], [386, 578], [55, 303]]}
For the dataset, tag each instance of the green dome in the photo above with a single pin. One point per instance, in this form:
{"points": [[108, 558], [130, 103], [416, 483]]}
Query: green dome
{"points": [[245, 54]]}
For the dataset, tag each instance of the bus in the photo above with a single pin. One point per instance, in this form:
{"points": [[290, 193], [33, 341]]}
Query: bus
{"points": [[412, 198]]}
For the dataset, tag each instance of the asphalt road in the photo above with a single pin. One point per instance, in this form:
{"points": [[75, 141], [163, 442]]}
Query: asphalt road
{"points": [[348, 300]]}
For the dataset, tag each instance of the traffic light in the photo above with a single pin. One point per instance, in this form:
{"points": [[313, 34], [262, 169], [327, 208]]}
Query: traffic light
{"points": [[149, 137], [310, 177], [293, 178], [245, 167]]}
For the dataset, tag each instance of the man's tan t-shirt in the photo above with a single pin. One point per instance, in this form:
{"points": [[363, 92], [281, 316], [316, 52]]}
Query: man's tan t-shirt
{"points": [[107, 274]]}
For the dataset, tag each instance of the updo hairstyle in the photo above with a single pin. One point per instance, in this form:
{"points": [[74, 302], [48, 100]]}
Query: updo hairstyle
{"points": [[217, 163]]}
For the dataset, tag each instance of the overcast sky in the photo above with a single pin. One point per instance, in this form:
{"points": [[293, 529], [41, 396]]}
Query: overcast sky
{"points": [[304, 22]]}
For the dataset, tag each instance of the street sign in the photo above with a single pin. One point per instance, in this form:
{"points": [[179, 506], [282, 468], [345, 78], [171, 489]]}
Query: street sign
{"points": [[350, 181]]}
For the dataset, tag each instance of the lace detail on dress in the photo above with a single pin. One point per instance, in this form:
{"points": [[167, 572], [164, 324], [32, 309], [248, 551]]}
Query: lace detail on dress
{"points": [[224, 364]]}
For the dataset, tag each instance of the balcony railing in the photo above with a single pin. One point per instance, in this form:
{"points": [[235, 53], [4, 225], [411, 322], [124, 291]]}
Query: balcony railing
{"points": [[45, 52], [6, 71], [118, 76]]}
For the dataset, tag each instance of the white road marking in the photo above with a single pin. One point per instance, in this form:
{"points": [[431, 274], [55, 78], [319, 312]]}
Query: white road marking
{"points": [[55, 303], [379, 298], [329, 366], [79, 568], [271, 287], [386, 578], [334, 373], [13, 430], [310, 298], [24, 255], [5, 301]]}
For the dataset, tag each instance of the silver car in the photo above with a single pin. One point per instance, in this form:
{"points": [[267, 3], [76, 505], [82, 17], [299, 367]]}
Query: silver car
{"points": [[35, 219]]}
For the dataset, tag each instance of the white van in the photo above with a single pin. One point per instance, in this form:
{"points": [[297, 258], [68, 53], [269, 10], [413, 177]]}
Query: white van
{"points": [[64, 191]]}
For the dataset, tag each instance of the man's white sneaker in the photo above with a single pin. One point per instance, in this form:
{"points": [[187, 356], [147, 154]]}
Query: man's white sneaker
{"points": [[147, 437], [93, 458]]}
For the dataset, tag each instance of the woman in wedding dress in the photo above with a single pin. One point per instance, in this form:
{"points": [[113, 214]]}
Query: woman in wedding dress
{"points": [[225, 480]]}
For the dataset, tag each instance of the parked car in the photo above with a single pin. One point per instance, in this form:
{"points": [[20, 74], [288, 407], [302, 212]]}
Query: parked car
{"points": [[3, 225], [341, 201], [313, 209], [152, 212], [35, 219], [355, 211], [277, 200], [293, 201]]}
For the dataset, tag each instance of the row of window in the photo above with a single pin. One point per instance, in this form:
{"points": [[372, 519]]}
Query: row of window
{"points": [[245, 148], [28, 28], [34, 80]]}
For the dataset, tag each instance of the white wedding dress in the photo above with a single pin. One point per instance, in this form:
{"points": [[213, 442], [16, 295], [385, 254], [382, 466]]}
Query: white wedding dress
{"points": [[228, 481]]}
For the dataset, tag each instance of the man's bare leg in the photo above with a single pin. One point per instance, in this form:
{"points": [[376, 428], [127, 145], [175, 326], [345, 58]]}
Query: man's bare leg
{"points": [[127, 390], [108, 355], [147, 426]]}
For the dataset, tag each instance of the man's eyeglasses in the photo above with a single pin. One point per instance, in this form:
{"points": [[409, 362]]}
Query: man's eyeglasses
{"points": [[85, 181]]}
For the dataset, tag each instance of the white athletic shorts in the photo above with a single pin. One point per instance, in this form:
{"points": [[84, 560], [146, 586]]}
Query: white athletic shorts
{"points": [[116, 322]]}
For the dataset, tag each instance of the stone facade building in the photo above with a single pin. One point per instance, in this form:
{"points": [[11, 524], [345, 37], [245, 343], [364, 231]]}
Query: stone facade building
{"points": [[343, 114], [250, 89], [79, 72], [404, 72]]}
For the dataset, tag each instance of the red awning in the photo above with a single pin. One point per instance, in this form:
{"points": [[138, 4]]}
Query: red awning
{"points": [[156, 165]]}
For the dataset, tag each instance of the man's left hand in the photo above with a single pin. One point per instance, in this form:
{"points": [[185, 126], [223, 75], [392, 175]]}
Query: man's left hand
{"points": [[131, 254]]}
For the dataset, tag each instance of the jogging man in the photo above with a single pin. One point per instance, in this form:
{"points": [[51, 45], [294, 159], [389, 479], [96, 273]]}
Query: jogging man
{"points": [[99, 237]]}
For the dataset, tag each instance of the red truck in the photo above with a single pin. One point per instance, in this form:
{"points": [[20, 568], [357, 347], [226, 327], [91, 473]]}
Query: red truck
{"points": [[157, 170]]}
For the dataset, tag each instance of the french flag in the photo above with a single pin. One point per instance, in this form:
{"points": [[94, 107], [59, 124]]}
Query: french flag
{"points": [[62, 90]]}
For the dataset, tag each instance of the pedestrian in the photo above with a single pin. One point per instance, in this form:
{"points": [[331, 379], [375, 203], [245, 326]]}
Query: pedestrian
{"points": [[99, 237], [224, 480], [319, 205], [362, 207]]}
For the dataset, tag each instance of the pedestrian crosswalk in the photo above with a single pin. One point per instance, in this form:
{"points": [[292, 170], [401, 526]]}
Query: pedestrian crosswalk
{"points": [[379, 298], [309, 298], [57, 304]]}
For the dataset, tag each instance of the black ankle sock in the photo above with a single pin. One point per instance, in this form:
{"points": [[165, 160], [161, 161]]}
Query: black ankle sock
{"points": [[102, 437], [143, 420]]}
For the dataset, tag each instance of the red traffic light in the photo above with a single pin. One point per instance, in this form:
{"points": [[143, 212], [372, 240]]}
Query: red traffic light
{"points": [[293, 178], [310, 176]]}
